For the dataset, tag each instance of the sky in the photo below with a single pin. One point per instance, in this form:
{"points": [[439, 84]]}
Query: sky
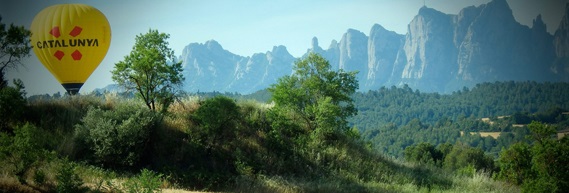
{"points": [[243, 27]]}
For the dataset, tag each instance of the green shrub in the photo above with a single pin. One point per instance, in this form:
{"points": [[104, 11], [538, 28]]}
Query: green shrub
{"points": [[540, 185], [12, 105], [118, 137], [67, 179], [146, 182], [423, 153], [515, 163], [39, 177], [541, 166], [462, 156], [217, 117], [23, 151]]}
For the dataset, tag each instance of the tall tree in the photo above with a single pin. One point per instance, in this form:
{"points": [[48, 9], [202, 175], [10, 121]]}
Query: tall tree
{"points": [[151, 69], [14, 46], [318, 96]]}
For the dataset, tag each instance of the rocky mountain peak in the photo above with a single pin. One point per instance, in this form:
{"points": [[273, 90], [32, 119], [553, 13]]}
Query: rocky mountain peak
{"points": [[315, 43], [280, 51], [498, 10], [439, 53], [213, 45], [538, 24], [353, 52]]}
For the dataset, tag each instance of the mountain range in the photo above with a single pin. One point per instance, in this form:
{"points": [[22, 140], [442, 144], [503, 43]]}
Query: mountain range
{"points": [[440, 53]]}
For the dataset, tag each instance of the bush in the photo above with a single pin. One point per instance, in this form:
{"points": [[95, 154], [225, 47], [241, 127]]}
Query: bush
{"points": [[462, 156], [23, 151], [67, 179], [146, 182], [423, 153], [538, 167], [12, 105], [217, 118], [116, 138]]}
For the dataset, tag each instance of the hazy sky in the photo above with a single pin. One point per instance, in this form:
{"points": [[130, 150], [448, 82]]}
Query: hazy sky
{"points": [[244, 27]]}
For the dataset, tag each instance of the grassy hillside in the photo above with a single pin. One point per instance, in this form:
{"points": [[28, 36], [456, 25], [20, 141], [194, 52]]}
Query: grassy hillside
{"points": [[112, 144]]}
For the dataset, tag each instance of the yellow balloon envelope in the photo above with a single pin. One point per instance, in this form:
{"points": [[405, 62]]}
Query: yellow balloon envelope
{"points": [[70, 40]]}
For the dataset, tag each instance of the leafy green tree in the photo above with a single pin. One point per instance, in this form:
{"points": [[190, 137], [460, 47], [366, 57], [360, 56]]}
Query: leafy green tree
{"points": [[423, 153], [151, 69], [515, 163], [14, 46], [218, 119], [12, 105], [317, 97], [462, 156], [540, 167]]}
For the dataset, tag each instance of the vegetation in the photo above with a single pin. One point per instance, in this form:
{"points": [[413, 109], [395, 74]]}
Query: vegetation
{"points": [[151, 69], [306, 140], [395, 118], [217, 143], [540, 166], [116, 137], [316, 96], [14, 46]]}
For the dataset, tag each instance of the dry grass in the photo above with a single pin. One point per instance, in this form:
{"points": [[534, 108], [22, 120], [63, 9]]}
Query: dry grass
{"points": [[494, 135]]}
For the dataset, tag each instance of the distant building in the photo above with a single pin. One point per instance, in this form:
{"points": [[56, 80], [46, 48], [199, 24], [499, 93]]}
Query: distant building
{"points": [[562, 133]]}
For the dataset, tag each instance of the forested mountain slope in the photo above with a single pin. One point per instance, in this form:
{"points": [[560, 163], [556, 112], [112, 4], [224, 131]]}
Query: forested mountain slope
{"points": [[401, 105]]}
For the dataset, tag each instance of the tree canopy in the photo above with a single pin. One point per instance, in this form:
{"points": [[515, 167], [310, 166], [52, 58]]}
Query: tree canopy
{"points": [[14, 45], [151, 69], [318, 96]]}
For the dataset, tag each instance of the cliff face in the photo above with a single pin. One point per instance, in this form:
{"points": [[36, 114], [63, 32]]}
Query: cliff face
{"points": [[208, 67], [428, 56], [439, 53], [561, 46], [382, 48]]}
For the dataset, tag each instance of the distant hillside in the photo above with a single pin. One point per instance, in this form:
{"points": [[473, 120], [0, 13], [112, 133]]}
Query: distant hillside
{"points": [[399, 106]]}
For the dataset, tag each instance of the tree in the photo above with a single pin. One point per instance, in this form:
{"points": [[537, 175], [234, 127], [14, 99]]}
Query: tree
{"points": [[151, 69], [541, 166], [14, 45], [423, 153], [218, 119], [12, 105], [319, 97], [515, 163]]}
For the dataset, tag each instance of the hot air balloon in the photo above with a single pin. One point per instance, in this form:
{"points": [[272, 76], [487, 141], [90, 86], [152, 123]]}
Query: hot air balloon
{"points": [[70, 40]]}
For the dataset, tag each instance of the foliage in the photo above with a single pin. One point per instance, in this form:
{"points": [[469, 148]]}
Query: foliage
{"points": [[23, 152], [318, 96], [218, 119], [12, 105], [540, 167], [459, 158], [14, 46], [401, 105], [261, 149], [151, 69], [67, 179], [395, 118], [462, 156], [515, 162], [146, 182], [424, 153], [117, 137]]}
